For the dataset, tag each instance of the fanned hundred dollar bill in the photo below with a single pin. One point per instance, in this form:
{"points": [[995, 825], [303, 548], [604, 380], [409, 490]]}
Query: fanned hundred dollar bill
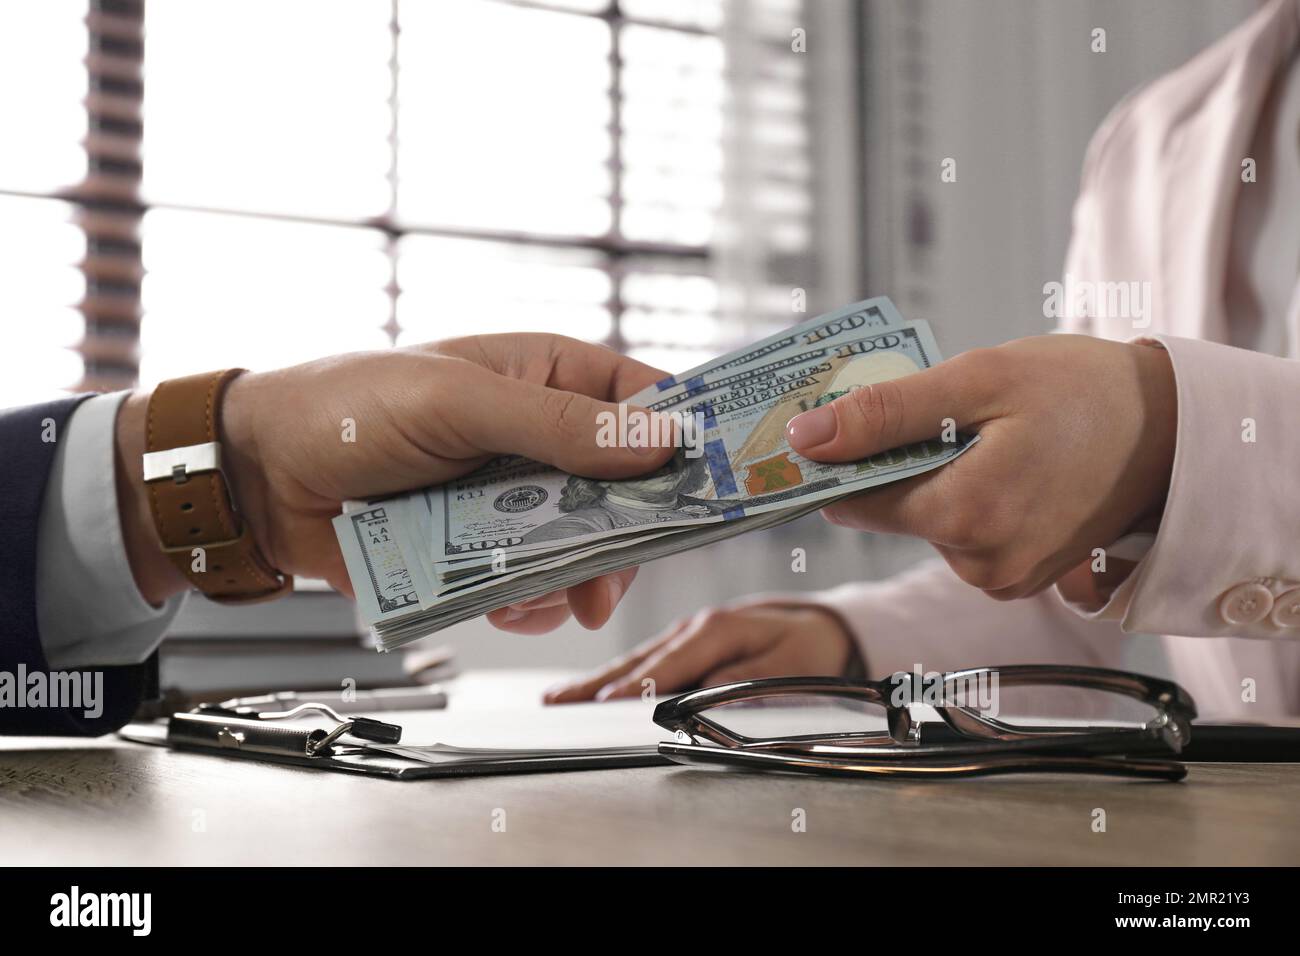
{"points": [[516, 528]]}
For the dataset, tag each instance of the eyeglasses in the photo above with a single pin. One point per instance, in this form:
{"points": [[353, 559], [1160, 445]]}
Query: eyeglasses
{"points": [[992, 720]]}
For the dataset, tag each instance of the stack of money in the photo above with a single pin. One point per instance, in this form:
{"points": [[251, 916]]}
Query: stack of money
{"points": [[516, 529]]}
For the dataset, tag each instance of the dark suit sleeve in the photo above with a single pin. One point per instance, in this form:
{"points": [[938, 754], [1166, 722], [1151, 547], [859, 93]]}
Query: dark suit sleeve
{"points": [[26, 457]]}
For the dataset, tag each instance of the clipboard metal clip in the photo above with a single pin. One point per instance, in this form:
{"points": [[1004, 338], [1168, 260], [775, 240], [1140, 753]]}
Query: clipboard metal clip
{"points": [[217, 727]]}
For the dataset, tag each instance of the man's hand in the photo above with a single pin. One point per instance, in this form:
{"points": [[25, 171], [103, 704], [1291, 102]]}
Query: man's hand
{"points": [[420, 416], [1076, 448], [721, 645]]}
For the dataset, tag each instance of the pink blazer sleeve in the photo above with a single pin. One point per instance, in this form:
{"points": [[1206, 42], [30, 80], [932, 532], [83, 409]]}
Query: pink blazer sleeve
{"points": [[928, 616], [1226, 557]]}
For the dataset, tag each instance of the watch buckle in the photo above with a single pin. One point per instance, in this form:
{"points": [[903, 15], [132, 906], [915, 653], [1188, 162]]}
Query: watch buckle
{"points": [[179, 464]]}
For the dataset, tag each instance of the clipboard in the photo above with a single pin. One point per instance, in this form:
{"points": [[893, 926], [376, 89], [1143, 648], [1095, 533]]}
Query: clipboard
{"points": [[363, 745]]}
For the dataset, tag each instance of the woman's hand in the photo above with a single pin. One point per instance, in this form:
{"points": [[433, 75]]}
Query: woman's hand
{"points": [[721, 645], [1076, 448]]}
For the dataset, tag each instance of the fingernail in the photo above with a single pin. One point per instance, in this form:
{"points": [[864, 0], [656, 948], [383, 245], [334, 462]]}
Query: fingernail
{"points": [[513, 614], [811, 429], [613, 591]]}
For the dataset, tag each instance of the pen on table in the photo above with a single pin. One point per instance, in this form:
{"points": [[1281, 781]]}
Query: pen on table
{"points": [[427, 697]]}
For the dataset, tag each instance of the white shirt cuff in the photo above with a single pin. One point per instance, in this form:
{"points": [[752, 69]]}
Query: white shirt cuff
{"points": [[88, 609]]}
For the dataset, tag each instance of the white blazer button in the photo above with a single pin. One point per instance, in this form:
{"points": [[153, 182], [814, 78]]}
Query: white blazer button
{"points": [[1246, 603], [1286, 609]]}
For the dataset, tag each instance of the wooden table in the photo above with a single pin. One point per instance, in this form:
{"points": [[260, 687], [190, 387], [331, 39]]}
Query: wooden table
{"points": [[112, 802]]}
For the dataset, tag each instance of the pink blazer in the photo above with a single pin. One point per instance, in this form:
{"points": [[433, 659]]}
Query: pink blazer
{"points": [[1160, 181]]}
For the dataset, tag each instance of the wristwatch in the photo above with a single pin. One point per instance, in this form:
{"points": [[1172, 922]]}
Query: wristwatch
{"points": [[198, 525]]}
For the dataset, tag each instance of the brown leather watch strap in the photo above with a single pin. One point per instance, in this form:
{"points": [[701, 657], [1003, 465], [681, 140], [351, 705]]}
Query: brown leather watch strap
{"points": [[191, 503]]}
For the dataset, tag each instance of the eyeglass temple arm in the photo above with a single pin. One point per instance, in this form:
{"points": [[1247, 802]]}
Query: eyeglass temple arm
{"points": [[942, 766]]}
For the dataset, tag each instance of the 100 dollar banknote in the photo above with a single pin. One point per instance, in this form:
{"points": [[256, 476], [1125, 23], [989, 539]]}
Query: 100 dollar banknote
{"points": [[743, 466], [516, 527]]}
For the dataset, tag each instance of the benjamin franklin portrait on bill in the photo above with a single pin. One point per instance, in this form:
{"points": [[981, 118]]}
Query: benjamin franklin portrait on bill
{"points": [[590, 505]]}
